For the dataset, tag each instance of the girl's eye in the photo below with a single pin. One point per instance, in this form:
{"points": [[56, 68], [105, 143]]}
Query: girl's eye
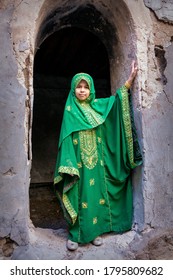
{"points": [[80, 86]]}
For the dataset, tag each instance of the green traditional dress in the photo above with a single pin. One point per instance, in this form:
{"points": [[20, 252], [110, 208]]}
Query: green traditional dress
{"points": [[98, 148]]}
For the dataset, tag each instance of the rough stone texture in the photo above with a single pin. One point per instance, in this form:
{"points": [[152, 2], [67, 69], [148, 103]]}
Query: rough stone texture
{"points": [[157, 123], [43, 245], [13, 195], [163, 9], [7, 247], [135, 33], [152, 245]]}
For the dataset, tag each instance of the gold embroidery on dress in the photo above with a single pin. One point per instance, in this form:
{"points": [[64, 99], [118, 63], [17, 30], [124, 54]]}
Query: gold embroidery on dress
{"points": [[68, 170], [75, 141], [99, 139], [92, 182], [88, 148], [92, 116], [84, 205], [57, 179], [94, 220], [68, 108], [69, 208], [102, 201], [127, 124], [79, 164]]}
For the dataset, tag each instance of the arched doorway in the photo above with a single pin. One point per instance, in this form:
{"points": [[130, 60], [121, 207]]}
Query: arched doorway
{"points": [[61, 55], [108, 31]]}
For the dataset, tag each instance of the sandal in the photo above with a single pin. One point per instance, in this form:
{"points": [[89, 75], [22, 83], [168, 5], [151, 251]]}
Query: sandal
{"points": [[97, 241], [71, 245]]}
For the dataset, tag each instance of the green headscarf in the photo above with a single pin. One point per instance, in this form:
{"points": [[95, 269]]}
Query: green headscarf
{"points": [[83, 115]]}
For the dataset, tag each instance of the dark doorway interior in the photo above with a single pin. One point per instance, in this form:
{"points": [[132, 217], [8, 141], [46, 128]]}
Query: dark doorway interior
{"points": [[60, 56]]}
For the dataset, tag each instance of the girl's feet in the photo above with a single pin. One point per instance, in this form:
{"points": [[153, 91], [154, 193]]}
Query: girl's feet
{"points": [[71, 245], [97, 241]]}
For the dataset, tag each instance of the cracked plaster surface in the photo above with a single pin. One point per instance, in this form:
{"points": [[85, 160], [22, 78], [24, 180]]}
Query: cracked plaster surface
{"points": [[162, 9]]}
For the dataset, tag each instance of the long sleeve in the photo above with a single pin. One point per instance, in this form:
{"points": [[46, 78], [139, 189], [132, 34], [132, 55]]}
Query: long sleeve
{"points": [[134, 153]]}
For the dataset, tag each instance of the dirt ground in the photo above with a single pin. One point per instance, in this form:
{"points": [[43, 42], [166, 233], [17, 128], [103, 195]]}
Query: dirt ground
{"points": [[49, 232]]}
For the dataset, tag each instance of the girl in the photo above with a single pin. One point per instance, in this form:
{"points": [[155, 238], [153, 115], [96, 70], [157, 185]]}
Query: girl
{"points": [[98, 148]]}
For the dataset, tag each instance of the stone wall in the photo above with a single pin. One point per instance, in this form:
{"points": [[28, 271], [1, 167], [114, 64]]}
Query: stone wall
{"points": [[141, 33], [162, 9]]}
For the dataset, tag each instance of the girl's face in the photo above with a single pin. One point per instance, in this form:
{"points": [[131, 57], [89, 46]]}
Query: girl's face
{"points": [[82, 90]]}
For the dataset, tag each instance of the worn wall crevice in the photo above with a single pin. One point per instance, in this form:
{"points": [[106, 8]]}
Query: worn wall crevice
{"points": [[10, 172], [162, 63], [167, 97]]}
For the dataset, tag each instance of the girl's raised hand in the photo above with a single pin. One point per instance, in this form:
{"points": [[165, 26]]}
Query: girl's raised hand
{"points": [[134, 69]]}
